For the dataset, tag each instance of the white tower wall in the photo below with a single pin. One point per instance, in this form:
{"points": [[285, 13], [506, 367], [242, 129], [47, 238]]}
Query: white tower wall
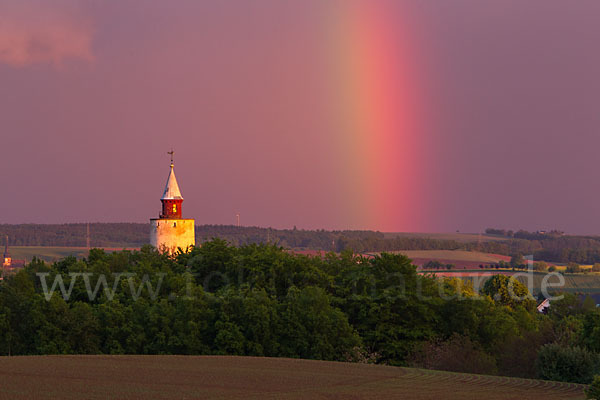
{"points": [[170, 234]]}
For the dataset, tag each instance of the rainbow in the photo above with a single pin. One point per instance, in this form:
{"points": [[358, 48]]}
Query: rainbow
{"points": [[377, 114]]}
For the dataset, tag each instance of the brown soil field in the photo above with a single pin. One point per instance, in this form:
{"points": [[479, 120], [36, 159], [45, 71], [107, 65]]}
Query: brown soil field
{"points": [[212, 377]]}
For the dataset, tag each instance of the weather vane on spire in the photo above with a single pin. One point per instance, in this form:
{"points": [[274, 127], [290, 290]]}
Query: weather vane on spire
{"points": [[171, 154]]}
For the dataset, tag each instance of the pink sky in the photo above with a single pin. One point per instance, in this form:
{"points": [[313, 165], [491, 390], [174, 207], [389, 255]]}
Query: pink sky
{"points": [[93, 94]]}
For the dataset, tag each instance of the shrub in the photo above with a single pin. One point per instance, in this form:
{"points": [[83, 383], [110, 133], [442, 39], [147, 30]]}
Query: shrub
{"points": [[540, 266], [457, 354], [516, 355], [566, 364], [593, 392], [433, 264], [573, 268]]}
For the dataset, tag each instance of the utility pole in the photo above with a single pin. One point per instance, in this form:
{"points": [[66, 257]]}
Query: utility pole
{"points": [[87, 237]]}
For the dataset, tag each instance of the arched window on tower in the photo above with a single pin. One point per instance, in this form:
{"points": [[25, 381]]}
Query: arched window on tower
{"points": [[174, 208]]}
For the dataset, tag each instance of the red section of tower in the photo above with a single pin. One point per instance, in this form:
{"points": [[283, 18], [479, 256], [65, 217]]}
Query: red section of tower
{"points": [[171, 208], [171, 199]]}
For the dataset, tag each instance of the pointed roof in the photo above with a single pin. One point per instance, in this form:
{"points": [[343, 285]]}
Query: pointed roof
{"points": [[172, 191]]}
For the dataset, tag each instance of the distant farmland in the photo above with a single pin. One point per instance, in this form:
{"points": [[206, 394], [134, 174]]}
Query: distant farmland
{"points": [[467, 263], [46, 253], [455, 255], [459, 258], [50, 253], [459, 237], [213, 377], [574, 283]]}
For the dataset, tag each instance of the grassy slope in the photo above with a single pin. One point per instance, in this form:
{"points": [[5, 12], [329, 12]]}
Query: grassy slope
{"points": [[167, 377]]}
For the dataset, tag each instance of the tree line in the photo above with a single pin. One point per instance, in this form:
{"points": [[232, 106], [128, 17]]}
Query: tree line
{"points": [[553, 246], [260, 300]]}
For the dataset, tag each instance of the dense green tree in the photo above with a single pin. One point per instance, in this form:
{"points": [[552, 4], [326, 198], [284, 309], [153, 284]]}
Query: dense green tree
{"points": [[591, 331], [573, 268], [312, 328], [5, 332], [517, 260], [229, 339], [568, 331], [569, 304], [566, 364], [509, 292], [83, 331]]}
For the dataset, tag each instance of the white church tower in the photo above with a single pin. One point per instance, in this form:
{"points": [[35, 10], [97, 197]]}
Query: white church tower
{"points": [[170, 231]]}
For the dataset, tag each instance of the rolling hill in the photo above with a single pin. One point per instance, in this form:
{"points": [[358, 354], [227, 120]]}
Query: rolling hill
{"points": [[216, 377]]}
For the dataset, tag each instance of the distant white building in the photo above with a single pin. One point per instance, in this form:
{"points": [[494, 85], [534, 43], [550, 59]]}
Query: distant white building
{"points": [[543, 306]]}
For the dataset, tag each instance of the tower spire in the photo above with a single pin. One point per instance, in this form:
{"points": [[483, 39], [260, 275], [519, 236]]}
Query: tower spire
{"points": [[171, 191], [171, 198]]}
